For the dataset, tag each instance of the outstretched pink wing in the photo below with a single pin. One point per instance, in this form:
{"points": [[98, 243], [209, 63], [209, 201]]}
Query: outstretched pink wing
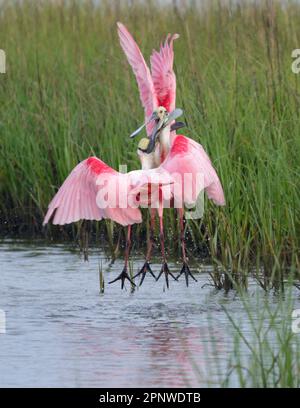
{"points": [[141, 71], [163, 75], [76, 198], [190, 162], [93, 191]]}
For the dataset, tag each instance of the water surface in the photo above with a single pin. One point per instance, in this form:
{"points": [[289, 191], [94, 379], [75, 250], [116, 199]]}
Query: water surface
{"points": [[62, 332]]}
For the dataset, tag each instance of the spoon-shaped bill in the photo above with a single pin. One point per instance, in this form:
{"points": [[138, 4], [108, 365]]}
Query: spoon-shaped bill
{"points": [[136, 132], [174, 115]]}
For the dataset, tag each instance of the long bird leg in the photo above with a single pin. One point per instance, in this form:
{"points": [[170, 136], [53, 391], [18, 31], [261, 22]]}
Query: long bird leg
{"points": [[164, 269], [146, 267], [124, 275], [185, 268]]}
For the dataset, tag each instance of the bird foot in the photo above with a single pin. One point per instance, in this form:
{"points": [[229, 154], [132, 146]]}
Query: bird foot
{"points": [[145, 268], [186, 270], [165, 269], [123, 275]]}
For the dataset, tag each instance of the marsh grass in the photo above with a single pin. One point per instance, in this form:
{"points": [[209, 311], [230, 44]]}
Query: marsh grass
{"points": [[101, 278], [69, 93], [268, 354], [258, 345]]}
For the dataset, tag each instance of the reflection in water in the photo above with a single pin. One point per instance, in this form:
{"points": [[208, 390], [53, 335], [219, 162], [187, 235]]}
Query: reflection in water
{"points": [[62, 332]]}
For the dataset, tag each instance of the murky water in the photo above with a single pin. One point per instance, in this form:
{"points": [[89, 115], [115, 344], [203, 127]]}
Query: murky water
{"points": [[60, 331]]}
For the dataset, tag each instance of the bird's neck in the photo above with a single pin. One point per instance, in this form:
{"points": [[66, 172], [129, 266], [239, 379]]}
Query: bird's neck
{"points": [[164, 139], [147, 161]]}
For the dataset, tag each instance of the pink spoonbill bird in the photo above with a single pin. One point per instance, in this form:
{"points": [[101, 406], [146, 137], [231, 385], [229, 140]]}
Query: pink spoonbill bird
{"points": [[95, 191], [174, 153]]}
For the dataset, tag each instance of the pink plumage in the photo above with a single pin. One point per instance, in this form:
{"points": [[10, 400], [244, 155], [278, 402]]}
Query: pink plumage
{"points": [[188, 157], [158, 89], [163, 75], [141, 71], [78, 197]]}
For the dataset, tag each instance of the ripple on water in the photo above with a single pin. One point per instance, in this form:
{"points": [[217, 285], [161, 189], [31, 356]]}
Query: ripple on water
{"points": [[62, 332]]}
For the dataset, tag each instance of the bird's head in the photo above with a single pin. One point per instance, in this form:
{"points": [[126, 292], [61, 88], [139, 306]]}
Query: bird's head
{"points": [[162, 118], [161, 112]]}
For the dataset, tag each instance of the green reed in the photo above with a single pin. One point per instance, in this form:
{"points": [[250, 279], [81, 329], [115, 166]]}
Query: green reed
{"points": [[267, 355]]}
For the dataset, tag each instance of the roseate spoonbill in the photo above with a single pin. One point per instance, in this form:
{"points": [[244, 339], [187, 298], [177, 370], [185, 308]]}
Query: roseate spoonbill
{"points": [[93, 191], [158, 96]]}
